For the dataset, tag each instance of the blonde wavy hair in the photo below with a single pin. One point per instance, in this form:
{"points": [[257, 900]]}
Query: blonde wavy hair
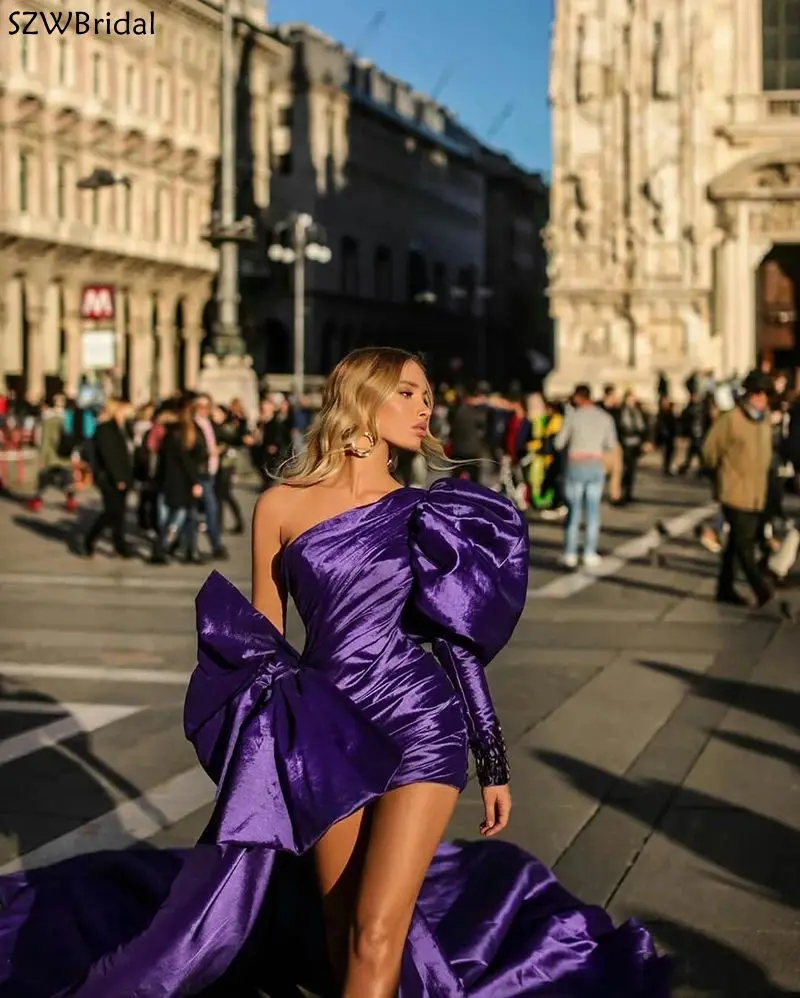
{"points": [[352, 397]]}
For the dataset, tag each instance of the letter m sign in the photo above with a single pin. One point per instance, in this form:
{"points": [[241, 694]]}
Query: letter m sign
{"points": [[97, 302]]}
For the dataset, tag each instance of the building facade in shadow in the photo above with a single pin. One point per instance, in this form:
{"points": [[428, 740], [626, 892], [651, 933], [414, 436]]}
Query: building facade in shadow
{"points": [[401, 191], [519, 338]]}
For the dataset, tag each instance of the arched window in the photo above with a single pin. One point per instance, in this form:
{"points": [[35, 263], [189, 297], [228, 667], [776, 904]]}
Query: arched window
{"points": [[780, 22], [417, 275], [349, 273], [383, 273]]}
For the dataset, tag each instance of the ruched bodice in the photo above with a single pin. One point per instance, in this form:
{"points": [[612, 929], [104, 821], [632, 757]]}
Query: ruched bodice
{"points": [[449, 566], [350, 578], [405, 601]]}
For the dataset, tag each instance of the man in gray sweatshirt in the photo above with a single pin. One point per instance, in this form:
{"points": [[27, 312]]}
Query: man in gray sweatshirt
{"points": [[587, 436]]}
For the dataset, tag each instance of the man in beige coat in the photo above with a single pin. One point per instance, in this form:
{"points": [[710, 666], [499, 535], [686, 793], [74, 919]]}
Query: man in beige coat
{"points": [[738, 449]]}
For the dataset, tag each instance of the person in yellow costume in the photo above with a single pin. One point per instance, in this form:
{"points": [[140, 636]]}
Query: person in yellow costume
{"points": [[538, 432]]}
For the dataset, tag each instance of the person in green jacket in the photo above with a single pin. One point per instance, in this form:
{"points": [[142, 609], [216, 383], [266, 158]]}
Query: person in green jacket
{"points": [[55, 457]]}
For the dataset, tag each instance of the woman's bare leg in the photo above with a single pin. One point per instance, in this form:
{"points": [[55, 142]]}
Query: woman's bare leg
{"points": [[338, 857], [406, 826]]}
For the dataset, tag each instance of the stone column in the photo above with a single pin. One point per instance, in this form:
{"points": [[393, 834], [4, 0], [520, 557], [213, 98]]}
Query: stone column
{"points": [[35, 307], [165, 331], [141, 360], [73, 330], [193, 337]]}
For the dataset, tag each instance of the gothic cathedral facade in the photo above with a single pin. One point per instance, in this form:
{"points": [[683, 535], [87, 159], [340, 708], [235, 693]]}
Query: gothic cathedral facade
{"points": [[674, 235]]}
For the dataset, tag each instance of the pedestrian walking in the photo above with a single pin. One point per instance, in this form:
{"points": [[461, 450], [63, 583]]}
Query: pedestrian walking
{"points": [[665, 433], [113, 476], [738, 449], [209, 468], [56, 446], [587, 439], [631, 428], [182, 461]]}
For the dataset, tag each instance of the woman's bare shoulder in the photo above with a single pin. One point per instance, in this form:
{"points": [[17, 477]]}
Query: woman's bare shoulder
{"points": [[274, 503]]}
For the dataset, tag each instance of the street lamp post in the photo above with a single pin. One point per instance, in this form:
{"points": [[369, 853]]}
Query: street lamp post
{"points": [[227, 372], [226, 232], [306, 241]]}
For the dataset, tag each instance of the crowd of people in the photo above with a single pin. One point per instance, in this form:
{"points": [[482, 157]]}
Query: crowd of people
{"points": [[557, 459], [179, 457]]}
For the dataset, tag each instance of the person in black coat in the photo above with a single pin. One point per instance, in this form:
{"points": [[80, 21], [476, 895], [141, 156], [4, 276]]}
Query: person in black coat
{"points": [[182, 456], [113, 475], [666, 432]]}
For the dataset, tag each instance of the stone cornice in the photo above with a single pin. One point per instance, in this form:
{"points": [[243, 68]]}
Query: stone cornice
{"points": [[771, 175]]}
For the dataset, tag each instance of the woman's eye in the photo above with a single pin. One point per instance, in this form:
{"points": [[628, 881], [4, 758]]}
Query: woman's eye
{"points": [[407, 394]]}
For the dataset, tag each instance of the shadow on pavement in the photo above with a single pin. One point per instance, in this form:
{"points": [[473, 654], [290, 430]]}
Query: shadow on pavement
{"points": [[66, 781], [754, 847], [706, 966], [62, 530], [772, 702], [638, 585], [760, 746]]}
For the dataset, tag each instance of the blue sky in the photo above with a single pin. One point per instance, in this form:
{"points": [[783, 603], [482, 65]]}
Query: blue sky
{"points": [[495, 54]]}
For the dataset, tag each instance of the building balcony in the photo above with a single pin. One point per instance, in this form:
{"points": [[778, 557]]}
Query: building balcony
{"points": [[769, 115], [83, 238]]}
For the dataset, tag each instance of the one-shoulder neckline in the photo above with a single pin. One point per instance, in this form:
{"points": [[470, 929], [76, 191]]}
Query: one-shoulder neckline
{"points": [[314, 528]]}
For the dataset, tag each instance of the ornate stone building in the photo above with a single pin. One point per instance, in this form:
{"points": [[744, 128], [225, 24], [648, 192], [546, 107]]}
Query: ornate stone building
{"points": [[674, 237], [125, 262], [400, 190]]}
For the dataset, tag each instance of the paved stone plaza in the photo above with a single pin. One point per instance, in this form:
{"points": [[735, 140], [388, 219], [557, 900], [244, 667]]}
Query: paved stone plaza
{"points": [[655, 737]]}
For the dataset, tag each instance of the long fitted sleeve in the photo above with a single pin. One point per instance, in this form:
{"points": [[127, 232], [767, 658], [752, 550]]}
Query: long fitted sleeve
{"points": [[470, 562]]}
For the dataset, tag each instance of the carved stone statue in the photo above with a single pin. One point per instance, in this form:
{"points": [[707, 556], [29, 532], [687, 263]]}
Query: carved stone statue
{"points": [[588, 68], [665, 59], [578, 210], [662, 192], [779, 175], [551, 246]]}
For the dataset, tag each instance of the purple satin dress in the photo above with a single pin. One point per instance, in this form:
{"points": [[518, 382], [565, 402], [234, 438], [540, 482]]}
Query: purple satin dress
{"points": [[295, 742]]}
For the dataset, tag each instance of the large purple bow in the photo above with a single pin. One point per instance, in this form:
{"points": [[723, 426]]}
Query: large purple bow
{"points": [[290, 754]]}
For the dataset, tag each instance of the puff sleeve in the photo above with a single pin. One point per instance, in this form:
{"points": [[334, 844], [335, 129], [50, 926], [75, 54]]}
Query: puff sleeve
{"points": [[469, 558]]}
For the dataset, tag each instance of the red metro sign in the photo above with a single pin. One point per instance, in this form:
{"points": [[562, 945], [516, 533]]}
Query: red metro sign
{"points": [[97, 302]]}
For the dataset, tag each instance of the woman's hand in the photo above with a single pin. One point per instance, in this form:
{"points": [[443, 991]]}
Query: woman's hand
{"points": [[197, 491], [496, 809]]}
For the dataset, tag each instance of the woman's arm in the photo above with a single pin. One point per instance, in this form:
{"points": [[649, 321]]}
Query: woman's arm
{"points": [[268, 596]]}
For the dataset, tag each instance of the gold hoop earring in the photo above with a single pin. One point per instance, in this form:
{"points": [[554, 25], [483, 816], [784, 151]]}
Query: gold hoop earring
{"points": [[358, 451]]}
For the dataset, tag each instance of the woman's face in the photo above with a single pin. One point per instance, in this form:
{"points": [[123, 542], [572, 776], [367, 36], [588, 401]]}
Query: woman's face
{"points": [[403, 418]]}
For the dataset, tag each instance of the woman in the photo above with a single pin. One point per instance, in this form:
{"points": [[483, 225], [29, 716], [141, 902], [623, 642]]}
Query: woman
{"points": [[231, 434], [181, 456], [146, 516], [632, 429], [272, 442], [338, 769], [113, 475]]}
